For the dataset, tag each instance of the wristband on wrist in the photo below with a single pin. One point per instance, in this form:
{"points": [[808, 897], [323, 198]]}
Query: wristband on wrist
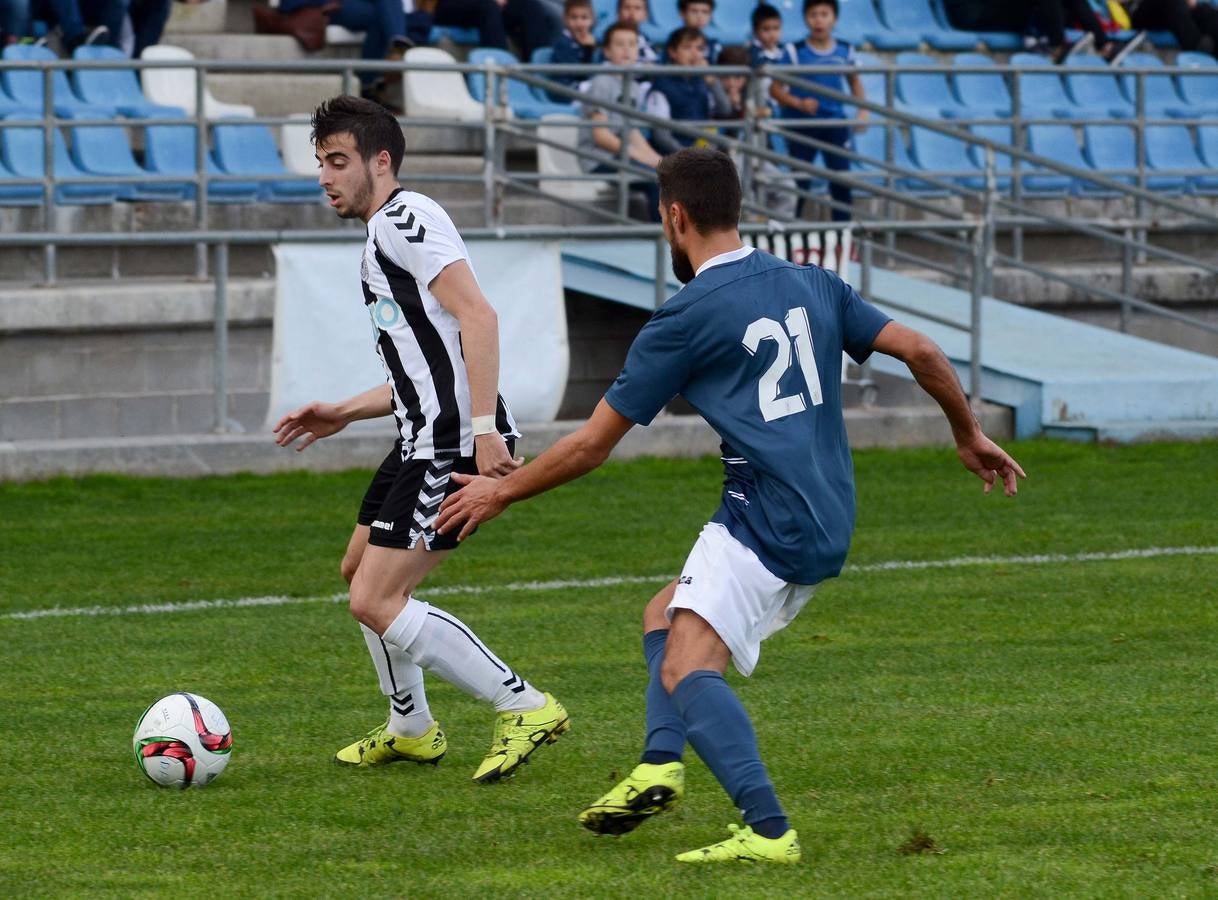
{"points": [[483, 425]]}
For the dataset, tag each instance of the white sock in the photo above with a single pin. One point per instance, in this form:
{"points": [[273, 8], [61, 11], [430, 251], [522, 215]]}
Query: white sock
{"points": [[444, 645], [402, 682]]}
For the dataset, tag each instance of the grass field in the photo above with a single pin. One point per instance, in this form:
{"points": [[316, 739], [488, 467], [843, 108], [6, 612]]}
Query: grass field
{"points": [[1033, 726]]}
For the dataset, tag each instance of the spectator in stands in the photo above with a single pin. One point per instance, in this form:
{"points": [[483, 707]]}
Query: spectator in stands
{"points": [[635, 12], [148, 18], [681, 97], [79, 21], [576, 44], [697, 14], [1048, 15], [767, 46], [383, 23], [820, 47], [1194, 24], [530, 23], [14, 20], [620, 47]]}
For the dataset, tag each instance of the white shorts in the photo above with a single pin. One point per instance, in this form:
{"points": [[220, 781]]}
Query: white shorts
{"points": [[725, 583]]}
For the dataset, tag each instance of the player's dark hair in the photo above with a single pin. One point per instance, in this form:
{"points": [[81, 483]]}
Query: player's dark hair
{"points": [[569, 5], [764, 13], [733, 55], [371, 126], [704, 181], [615, 28], [681, 35], [808, 4], [683, 4], [646, 5]]}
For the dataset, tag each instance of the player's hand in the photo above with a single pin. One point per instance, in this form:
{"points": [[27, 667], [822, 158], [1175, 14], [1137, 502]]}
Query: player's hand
{"points": [[310, 422], [991, 463], [474, 504], [491, 453]]}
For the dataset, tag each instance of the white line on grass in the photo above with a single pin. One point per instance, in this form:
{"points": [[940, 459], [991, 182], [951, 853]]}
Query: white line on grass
{"points": [[957, 562]]}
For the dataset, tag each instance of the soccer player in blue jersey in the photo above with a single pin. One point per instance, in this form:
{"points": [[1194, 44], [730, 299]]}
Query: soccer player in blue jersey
{"points": [[755, 344]]}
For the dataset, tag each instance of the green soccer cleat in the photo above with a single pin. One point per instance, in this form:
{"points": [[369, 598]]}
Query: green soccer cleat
{"points": [[380, 748], [745, 846], [648, 790], [517, 735]]}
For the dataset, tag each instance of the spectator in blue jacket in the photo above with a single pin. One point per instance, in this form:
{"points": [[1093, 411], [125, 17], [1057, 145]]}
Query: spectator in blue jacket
{"points": [[697, 14], [576, 44], [680, 97]]}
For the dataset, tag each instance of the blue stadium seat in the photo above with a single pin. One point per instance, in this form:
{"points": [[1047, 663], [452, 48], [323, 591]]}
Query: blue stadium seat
{"points": [[1113, 152], [941, 153], [251, 150], [930, 95], [981, 90], [1170, 149], [170, 150], [915, 17], [733, 19], [467, 37], [25, 85], [1199, 91], [1041, 92], [999, 134], [104, 150], [875, 87], [1095, 94], [665, 19], [116, 88], [859, 23], [22, 151], [1164, 40], [1207, 141], [520, 97], [17, 194], [1162, 98], [1059, 143], [871, 142]]}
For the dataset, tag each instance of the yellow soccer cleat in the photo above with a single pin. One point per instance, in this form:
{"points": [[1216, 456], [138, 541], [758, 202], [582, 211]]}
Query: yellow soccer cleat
{"points": [[651, 788], [380, 748], [518, 734], [745, 846]]}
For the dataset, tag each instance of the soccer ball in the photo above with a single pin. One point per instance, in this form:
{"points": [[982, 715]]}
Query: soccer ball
{"points": [[182, 740]]}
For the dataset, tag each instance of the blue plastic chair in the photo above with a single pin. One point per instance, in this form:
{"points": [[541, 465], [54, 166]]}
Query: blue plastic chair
{"points": [[22, 151], [1170, 149], [17, 194], [251, 150], [104, 150], [1096, 95], [1041, 92], [116, 88], [871, 143], [929, 94], [916, 17], [1199, 91], [170, 150], [25, 85], [981, 90], [734, 20], [1059, 143], [941, 153], [1164, 40], [664, 20], [1004, 166], [467, 37], [1207, 142], [858, 22], [1162, 98], [1113, 152], [520, 97]]}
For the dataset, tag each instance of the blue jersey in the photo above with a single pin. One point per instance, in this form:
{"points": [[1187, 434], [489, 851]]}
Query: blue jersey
{"points": [[755, 344], [805, 55]]}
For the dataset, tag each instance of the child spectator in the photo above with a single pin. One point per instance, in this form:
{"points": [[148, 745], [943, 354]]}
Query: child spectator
{"points": [[634, 12], [680, 97], [697, 14], [576, 43], [620, 47], [819, 48], [767, 46]]}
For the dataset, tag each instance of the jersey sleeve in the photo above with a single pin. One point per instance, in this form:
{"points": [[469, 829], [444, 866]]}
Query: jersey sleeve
{"points": [[657, 369], [861, 323], [420, 239]]}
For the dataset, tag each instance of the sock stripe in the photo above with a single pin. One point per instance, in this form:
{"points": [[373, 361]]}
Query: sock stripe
{"points": [[473, 640], [389, 666]]}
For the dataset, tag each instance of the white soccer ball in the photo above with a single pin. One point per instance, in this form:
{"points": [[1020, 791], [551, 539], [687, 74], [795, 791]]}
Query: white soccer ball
{"points": [[182, 740]]}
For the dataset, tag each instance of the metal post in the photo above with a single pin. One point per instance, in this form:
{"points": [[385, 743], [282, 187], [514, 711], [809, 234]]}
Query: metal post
{"points": [[623, 184], [661, 272], [200, 169], [488, 145], [751, 105], [1126, 278], [1139, 204], [1017, 135], [974, 315], [220, 325], [48, 173], [991, 192]]}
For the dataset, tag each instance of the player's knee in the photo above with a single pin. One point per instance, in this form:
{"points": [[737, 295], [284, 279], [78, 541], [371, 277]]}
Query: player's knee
{"points": [[363, 606], [671, 673], [348, 567]]}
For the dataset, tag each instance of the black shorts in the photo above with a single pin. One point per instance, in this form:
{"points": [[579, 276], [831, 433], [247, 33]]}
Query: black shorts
{"points": [[402, 502]]}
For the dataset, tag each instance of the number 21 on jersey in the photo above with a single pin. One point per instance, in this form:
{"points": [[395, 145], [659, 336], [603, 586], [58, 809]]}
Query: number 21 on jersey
{"points": [[797, 331]]}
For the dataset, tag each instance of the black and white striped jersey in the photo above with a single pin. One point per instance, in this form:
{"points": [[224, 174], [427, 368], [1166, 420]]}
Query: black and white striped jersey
{"points": [[410, 241]]}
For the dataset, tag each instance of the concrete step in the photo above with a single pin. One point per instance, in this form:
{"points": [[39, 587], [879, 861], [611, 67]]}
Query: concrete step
{"points": [[255, 47], [209, 16], [275, 95], [1126, 432]]}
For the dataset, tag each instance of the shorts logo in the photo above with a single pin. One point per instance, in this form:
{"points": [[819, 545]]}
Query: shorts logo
{"points": [[387, 526], [685, 579]]}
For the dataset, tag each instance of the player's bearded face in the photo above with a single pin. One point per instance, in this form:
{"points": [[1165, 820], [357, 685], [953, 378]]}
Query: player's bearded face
{"points": [[681, 266], [358, 193]]}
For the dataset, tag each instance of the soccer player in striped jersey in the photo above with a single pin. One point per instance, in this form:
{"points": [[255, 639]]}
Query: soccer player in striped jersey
{"points": [[438, 340], [755, 344]]}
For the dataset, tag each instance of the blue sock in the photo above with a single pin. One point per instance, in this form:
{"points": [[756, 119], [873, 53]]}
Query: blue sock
{"points": [[722, 735], [665, 730]]}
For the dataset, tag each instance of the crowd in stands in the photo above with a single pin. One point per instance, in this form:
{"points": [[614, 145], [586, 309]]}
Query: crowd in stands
{"points": [[129, 25]]}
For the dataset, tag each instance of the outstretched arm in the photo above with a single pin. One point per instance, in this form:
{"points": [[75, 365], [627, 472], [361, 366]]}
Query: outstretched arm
{"points": [[935, 374], [318, 420], [577, 454]]}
